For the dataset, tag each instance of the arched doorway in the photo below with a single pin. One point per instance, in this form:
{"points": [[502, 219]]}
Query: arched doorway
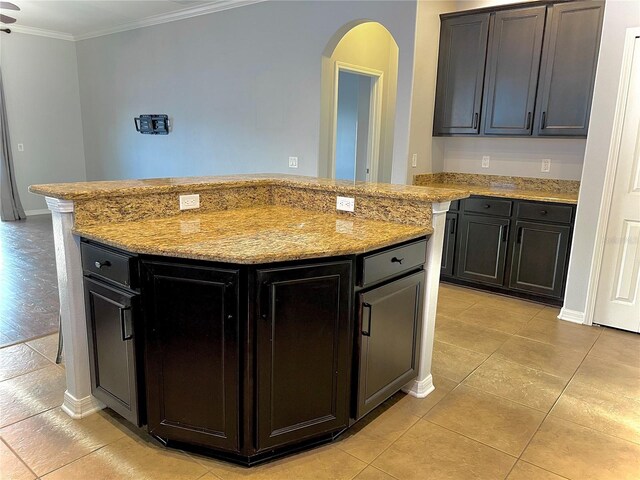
{"points": [[359, 84]]}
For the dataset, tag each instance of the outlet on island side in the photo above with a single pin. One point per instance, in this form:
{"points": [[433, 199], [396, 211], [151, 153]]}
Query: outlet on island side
{"points": [[187, 202], [346, 204], [485, 161], [293, 162], [546, 165]]}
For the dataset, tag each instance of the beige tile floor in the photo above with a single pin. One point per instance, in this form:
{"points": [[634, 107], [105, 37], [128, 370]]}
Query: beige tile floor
{"points": [[519, 395]]}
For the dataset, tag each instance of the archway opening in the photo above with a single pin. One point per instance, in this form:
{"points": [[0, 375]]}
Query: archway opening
{"points": [[358, 102]]}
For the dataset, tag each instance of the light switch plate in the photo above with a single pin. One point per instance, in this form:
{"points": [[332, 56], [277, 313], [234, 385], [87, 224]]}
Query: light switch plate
{"points": [[346, 204], [414, 160], [188, 202]]}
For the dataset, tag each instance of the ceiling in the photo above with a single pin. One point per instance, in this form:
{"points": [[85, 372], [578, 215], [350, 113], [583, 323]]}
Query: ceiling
{"points": [[80, 19]]}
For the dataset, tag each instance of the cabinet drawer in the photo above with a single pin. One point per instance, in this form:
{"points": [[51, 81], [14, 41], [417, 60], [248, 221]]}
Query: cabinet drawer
{"points": [[107, 264], [488, 206], [388, 264], [545, 212]]}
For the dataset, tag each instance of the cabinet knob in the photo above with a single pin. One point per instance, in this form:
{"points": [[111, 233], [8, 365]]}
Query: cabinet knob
{"points": [[543, 212], [99, 264], [397, 260], [486, 205]]}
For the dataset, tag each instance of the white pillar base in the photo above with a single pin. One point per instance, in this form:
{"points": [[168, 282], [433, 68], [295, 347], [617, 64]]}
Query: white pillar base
{"points": [[420, 388], [80, 408]]}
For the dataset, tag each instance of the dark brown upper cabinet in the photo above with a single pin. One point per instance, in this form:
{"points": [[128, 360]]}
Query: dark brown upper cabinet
{"points": [[463, 47], [568, 68], [515, 46], [539, 72]]}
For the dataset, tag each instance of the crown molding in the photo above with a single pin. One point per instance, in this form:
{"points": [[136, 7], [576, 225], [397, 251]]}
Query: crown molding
{"points": [[209, 7], [41, 32]]}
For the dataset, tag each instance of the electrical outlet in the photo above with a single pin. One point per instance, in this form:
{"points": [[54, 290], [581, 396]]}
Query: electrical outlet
{"points": [[485, 161], [414, 160], [188, 202], [346, 204], [293, 162], [546, 165], [21, 147]]}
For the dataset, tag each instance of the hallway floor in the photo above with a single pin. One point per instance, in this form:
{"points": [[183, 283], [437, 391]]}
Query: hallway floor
{"points": [[519, 395], [29, 302]]}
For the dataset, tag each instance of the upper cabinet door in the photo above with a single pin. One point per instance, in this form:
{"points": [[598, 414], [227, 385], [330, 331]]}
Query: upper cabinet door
{"points": [[567, 75], [463, 49], [515, 46]]}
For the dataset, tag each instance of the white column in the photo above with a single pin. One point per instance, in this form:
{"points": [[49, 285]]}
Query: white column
{"points": [[423, 385], [78, 401]]}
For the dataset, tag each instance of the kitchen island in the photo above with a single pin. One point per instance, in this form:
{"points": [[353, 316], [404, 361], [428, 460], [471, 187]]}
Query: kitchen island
{"points": [[262, 321]]}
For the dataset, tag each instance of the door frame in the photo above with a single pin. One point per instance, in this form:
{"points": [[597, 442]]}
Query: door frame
{"points": [[375, 116], [610, 174]]}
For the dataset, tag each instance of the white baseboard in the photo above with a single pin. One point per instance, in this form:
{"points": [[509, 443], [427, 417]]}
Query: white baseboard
{"points": [[571, 315], [40, 211], [80, 408], [420, 389]]}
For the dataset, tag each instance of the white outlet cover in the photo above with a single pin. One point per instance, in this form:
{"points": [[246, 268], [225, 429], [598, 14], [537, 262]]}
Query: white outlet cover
{"points": [[293, 162], [21, 147], [414, 160], [345, 204], [187, 202], [485, 161], [546, 165]]}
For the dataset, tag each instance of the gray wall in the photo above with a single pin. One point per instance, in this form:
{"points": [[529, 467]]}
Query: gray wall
{"points": [[43, 109], [618, 16], [242, 88]]}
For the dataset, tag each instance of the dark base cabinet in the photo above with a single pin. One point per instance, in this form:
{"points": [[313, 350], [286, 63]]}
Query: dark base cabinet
{"points": [[303, 330], [516, 247], [192, 353], [250, 362]]}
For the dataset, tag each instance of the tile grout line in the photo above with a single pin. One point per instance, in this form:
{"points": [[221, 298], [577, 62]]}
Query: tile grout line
{"points": [[18, 456], [553, 406]]}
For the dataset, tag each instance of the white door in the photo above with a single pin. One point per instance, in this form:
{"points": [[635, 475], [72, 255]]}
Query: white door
{"points": [[617, 296]]}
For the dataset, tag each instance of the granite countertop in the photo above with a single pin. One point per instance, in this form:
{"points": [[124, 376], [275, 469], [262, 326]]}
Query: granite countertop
{"points": [[262, 234], [127, 188], [522, 188]]}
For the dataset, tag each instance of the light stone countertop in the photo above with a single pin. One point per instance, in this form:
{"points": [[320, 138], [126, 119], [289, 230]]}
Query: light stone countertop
{"points": [[263, 234], [522, 188]]}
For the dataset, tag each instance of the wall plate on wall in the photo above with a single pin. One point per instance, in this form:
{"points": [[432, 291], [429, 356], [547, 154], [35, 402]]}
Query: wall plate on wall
{"points": [[152, 124]]}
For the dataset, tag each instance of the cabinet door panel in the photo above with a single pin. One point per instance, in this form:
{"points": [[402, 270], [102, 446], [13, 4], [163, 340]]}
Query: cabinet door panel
{"points": [[568, 68], [513, 61], [539, 258], [390, 322], [463, 48], [192, 354], [111, 317], [303, 353], [449, 246], [482, 248]]}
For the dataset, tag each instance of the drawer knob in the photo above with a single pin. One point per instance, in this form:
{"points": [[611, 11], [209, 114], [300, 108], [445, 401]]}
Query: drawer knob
{"points": [[486, 205], [543, 212], [106, 263], [397, 260]]}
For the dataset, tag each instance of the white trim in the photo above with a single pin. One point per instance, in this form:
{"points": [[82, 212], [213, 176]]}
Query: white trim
{"points": [[375, 114], [609, 178], [38, 211], [189, 12], [79, 408], [58, 205], [41, 32], [441, 207], [420, 389], [210, 7], [573, 316]]}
